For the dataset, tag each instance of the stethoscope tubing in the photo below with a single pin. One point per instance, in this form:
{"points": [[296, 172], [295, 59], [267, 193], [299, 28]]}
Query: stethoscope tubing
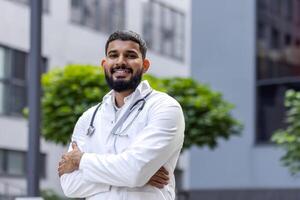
{"points": [[91, 129]]}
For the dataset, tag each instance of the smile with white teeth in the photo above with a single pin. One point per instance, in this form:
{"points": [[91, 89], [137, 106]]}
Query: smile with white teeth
{"points": [[121, 73]]}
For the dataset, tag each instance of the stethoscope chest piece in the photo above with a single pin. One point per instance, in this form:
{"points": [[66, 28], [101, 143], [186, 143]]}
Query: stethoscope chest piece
{"points": [[90, 131]]}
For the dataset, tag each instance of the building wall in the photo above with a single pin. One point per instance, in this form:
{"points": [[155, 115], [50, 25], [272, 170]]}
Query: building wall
{"points": [[223, 55], [64, 43]]}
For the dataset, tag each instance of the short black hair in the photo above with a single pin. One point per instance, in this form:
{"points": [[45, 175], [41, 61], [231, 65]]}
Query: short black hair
{"points": [[125, 35]]}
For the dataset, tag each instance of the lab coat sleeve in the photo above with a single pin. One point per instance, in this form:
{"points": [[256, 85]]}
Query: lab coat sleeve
{"points": [[73, 184], [155, 144]]}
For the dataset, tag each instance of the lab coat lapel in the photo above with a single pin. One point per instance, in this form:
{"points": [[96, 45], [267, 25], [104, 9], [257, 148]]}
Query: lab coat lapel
{"points": [[142, 90]]}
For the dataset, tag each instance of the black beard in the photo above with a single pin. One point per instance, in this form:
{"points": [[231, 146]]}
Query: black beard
{"points": [[124, 85]]}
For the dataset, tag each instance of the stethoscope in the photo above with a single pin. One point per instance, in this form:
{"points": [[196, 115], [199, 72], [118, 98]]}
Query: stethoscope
{"points": [[142, 101]]}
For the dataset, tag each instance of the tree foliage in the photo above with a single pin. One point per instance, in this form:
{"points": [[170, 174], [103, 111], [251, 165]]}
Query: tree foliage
{"points": [[69, 91], [289, 138]]}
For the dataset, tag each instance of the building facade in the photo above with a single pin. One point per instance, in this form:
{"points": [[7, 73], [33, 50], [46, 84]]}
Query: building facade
{"points": [[249, 51], [75, 31]]}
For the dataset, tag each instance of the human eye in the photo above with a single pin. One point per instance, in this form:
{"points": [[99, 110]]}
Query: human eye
{"points": [[132, 55], [112, 55]]}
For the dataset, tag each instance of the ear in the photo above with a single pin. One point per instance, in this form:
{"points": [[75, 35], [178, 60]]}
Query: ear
{"points": [[146, 65], [103, 61]]}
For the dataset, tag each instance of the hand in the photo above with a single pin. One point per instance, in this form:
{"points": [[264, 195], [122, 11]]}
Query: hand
{"points": [[70, 161], [160, 178]]}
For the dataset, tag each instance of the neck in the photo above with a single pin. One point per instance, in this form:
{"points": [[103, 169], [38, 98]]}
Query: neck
{"points": [[120, 97]]}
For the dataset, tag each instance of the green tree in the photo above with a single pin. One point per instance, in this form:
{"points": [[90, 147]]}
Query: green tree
{"points": [[289, 137], [49, 194], [69, 91]]}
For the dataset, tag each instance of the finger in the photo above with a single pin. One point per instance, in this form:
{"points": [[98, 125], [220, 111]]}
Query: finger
{"points": [[162, 175], [163, 169], [159, 180], [61, 163], [74, 145], [64, 157], [61, 167], [157, 185]]}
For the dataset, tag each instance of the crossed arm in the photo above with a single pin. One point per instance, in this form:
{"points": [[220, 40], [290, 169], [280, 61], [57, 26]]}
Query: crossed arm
{"points": [[140, 164], [70, 162]]}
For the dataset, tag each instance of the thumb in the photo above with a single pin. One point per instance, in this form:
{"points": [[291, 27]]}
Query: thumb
{"points": [[74, 145]]}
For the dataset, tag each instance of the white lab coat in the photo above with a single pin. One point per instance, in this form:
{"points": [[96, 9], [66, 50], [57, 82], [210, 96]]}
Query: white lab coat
{"points": [[118, 167]]}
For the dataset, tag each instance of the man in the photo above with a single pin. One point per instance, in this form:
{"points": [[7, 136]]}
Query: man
{"points": [[127, 146]]}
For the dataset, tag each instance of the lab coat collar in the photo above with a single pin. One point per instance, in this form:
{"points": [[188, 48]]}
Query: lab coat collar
{"points": [[140, 92]]}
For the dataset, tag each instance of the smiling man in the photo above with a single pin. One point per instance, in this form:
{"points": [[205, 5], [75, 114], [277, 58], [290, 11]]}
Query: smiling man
{"points": [[127, 146]]}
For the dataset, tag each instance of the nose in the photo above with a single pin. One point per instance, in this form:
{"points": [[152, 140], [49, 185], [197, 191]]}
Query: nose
{"points": [[121, 60]]}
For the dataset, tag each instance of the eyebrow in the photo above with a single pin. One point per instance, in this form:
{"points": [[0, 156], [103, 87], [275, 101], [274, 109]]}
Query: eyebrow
{"points": [[112, 51], [127, 51]]}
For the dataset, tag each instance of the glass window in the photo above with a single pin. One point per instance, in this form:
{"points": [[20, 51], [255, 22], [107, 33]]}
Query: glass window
{"points": [[148, 24], [15, 163], [297, 13], [43, 165], [89, 13], [18, 100], [2, 98], [1, 161], [46, 5], [2, 63], [179, 35], [288, 9], [116, 17], [19, 65], [13, 65], [156, 27], [163, 29], [102, 15], [76, 14], [167, 30], [278, 63]]}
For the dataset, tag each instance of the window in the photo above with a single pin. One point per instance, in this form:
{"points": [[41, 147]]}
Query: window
{"points": [[277, 63], [163, 29], [1, 162], [101, 15], [297, 13], [14, 163], [13, 64], [27, 2], [276, 6], [289, 11]]}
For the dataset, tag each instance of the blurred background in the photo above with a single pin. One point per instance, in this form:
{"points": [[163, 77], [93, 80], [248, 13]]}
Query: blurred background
{"points": [[248, 50]]}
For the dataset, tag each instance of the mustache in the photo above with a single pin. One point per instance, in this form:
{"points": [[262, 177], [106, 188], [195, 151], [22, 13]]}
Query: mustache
{"points": [[122, 67]]}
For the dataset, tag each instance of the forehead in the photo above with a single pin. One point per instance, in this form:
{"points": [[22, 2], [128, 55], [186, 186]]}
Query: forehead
{"points": [[120, 45]]}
